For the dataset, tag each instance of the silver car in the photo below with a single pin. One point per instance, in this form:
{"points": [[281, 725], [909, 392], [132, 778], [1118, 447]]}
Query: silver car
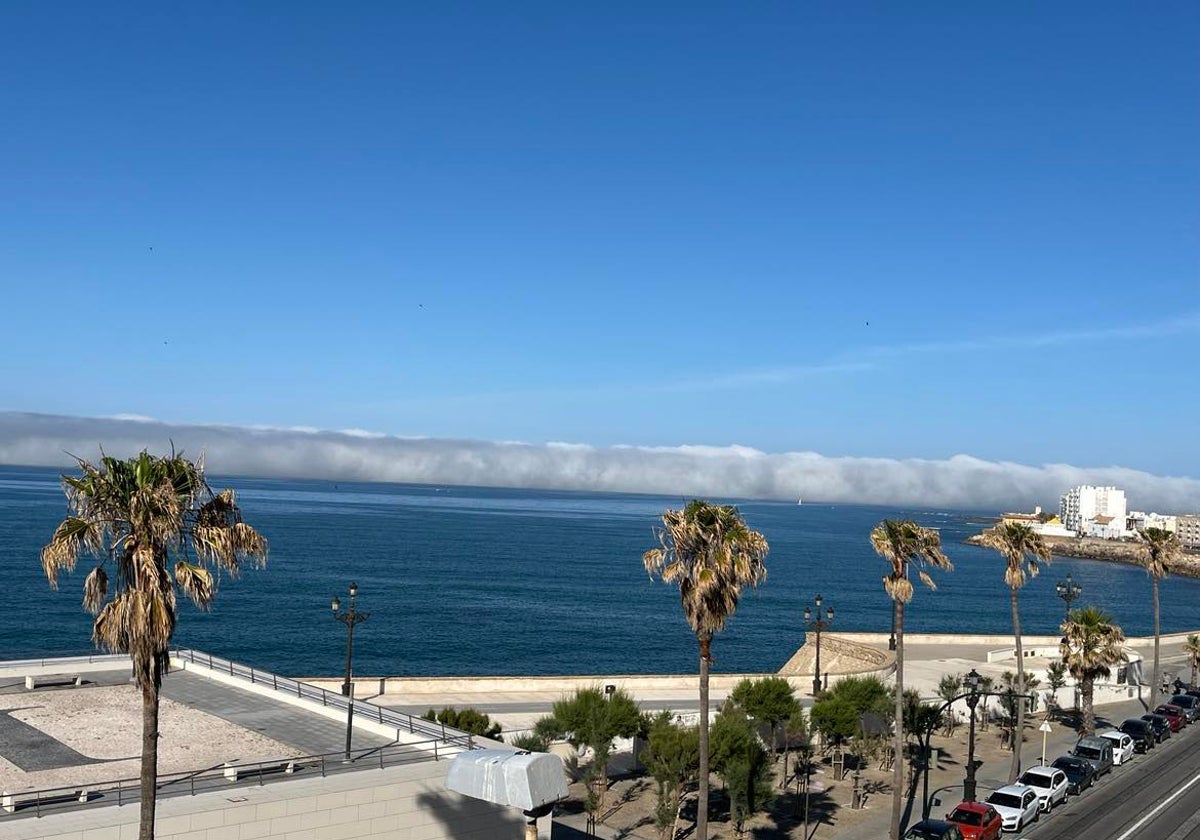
{"points": [[1050, 784]]}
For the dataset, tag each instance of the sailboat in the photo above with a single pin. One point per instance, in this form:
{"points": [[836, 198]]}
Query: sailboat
{"points": [[800, 501]]}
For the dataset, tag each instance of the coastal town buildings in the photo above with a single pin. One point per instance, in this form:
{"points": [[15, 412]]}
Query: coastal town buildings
{"points": [[1040, 522], [1140, 521], [1187, 528], [1094, 511]]}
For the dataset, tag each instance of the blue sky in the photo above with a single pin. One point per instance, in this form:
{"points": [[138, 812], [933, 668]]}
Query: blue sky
{"points": [[850, 228]]}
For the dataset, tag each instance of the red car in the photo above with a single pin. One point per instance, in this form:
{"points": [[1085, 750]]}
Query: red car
{"points": [[1175, 716], [976, 820]]}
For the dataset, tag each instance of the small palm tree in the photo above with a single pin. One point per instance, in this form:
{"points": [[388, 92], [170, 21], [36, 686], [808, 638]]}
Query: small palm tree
{"points": [[132, 516], [711, 555], [1162, 548], [1091, 645], [901, 543], [1192, 648], [1024, 550]]}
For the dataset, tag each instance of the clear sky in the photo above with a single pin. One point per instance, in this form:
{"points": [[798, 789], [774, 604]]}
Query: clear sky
{"points": [[904, 230]]}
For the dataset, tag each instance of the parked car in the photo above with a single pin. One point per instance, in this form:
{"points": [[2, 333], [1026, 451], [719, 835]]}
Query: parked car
{"points": [[977, 821], [1097, 752], [1141, 732], [1189, 703], [1050, 784], [1017, 805], [1176, 717], [1080, 772], [1122, 745], [1160, 725], [933, 830]]}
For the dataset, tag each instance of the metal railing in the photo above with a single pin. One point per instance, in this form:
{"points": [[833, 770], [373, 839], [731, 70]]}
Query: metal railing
{"points": [[87, 658], [330, 699], [128, 791]]}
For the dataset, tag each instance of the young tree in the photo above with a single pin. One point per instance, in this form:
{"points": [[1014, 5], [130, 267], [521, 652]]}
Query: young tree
{"points": [[739, 758], [903, 543], [1023, 550], [1091, 645], [1192, 648], [1162, 549], [710, 554], [134, 516], [770, 700], [949, 687], [672, 756], [1056, 678], [592, 719]]}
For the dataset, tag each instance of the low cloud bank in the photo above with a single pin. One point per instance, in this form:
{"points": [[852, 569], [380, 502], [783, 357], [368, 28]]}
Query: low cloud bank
{"points": [[721, 472]]}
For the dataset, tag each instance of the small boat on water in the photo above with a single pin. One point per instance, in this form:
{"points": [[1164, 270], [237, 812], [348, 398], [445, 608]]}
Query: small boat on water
{"points": [[800, 501]]}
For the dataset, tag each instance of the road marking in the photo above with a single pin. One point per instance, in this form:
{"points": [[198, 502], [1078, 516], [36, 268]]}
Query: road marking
{"points": [[1159, 807]]}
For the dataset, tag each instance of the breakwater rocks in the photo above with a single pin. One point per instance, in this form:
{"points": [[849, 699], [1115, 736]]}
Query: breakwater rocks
{"points": [[1112, 551]]}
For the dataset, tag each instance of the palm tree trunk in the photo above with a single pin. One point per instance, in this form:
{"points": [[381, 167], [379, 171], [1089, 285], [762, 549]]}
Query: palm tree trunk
{"points": [[1089, 712], [702, 791], [149, 761], [1193, 682], [1019, 727], [1154, 681], [898, 736]]}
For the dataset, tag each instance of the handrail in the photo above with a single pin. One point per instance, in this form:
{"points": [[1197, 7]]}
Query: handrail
{"points": [[336, 700], [91, 658], [125, 791]]}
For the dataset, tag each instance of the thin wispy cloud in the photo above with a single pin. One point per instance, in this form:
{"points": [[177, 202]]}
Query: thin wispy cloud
{"points": [[962, 481]]}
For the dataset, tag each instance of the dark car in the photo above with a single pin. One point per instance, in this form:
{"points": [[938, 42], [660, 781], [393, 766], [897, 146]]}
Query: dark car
{"points": [[1160, 725], [1080, 773], [1141, 732], [1189, 704], [933, 830], [1175, 716]]}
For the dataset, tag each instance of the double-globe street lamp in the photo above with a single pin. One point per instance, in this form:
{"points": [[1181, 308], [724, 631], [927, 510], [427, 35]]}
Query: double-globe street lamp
{"points": [[349, 617], [814, 621], [971, 682], [1069, 591]]}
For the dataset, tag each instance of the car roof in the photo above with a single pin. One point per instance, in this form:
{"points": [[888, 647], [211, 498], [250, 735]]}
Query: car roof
{"points": [[1017, 789], [1072, 760], [971, 806], [1041, 768], [1137, 721], [938, 825]]}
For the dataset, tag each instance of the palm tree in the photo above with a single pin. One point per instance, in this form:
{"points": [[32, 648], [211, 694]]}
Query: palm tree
{"points": [[136, 514], [1162, 549], [901, 543], [710, 553], [1023, 549], [1091, 645], [1192, 648]]}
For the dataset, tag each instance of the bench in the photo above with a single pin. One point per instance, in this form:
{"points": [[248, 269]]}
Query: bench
{"points": [[11, 801], [32, 682], [233, 772]]}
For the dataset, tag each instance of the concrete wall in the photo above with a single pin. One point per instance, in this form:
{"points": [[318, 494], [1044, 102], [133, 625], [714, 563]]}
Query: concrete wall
{"points": [[398, 803]]}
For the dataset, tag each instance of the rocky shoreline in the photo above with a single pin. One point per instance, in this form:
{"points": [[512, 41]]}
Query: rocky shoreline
{"points": [[1111, 551]]}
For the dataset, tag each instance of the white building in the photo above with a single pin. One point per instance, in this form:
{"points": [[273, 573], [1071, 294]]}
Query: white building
{"points": [[1140, 521], [1188, 531], [1082, 506]]}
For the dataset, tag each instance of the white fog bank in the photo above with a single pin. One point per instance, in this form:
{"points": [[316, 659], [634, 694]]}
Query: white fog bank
{"points": [[961, 481]]}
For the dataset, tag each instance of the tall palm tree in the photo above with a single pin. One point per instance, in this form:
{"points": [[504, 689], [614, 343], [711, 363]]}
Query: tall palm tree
{"points": [[1090, 646], [1162, 548], [1192, 648], [133, 517], [710, 553], [901, 543], [1023, 550]]}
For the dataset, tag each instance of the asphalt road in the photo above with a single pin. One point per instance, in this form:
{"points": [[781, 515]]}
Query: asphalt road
{"points": [[1155, 797]]}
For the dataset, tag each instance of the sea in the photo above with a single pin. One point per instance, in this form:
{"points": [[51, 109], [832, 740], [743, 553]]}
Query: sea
{"points": [[487, 581]]}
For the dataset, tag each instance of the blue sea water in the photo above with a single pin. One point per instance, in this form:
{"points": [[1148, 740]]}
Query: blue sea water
{"points": [[462, 580]]}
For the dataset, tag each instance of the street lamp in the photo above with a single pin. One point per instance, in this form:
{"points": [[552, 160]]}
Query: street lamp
{"points": [[350, 617], [971, 682], [1069, 591], [818, 624]]}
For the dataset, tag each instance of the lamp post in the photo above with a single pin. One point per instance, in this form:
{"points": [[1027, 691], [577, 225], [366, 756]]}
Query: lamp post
{"points": [[1069, 591], [814, 621], [972, 681], [349, 617]]}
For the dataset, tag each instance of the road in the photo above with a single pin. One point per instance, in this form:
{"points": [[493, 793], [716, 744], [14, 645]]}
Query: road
{"points": [[1156, 797]]}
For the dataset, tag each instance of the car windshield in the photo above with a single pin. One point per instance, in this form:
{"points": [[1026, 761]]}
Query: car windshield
{"points": [[1071, 768], [1004, 800], [1035, 780], [962, 815], [921, 832], [1183, 701], [1087, 752]]}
